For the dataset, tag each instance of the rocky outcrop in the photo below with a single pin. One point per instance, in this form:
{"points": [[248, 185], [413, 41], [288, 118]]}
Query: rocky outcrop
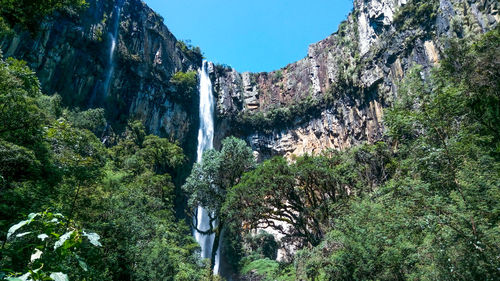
{"points": [[333, 98], [73, 56], [353, 74]]}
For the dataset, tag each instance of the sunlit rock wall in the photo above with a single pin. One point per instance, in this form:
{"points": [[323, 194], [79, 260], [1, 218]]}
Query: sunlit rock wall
{"points": [[360, 66]]}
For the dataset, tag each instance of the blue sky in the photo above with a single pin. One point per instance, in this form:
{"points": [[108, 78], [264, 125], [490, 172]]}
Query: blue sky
{"points": [[252, 35]]}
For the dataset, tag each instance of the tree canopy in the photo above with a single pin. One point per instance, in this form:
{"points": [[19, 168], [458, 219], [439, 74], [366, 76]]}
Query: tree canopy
{"points": [[211, 179], [51, 160]]}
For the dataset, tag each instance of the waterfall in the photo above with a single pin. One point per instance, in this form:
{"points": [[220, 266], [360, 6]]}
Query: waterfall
{"points": [[205, 142], [110, 67], [113, 35]]}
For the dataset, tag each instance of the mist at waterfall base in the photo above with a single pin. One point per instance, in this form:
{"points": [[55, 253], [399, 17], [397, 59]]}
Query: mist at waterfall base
{"points": [[205, 142]]}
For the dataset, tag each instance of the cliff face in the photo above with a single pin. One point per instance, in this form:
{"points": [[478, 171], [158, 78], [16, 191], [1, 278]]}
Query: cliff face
{"points": [[345, 80], [75, 56], [333, 98]]}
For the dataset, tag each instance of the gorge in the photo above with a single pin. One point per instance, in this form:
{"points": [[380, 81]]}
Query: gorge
{"points": [[373, 157]]}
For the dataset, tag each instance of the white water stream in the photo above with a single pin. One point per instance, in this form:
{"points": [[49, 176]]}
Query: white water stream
{"points": [[113, 35], [101, 89], [205, 142]]}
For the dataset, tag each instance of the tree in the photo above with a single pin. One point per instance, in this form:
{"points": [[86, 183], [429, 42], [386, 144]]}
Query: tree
{"points": [[80, 157], [211, 179], [160, 155], [133, 205], [91, 119], [474, 65], [20, 115], [185, 85], [24, 154], [444, 145], [437, 217], [301, 199], [143, 241]]}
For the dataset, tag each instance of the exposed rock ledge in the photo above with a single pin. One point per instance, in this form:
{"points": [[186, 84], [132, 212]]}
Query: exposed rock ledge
{"points": [[369, 55]]}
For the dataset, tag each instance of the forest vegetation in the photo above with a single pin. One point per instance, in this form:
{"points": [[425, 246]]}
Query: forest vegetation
{"points": [[424, 204]]}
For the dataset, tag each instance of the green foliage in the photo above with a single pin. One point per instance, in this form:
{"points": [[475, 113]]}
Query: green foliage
{"points": [[20, 115], [416, 13], [267, 269], [138, 153], [145, 242], [28, 13], [5, 30], [262, 244], [91, 119], [264, 267], [436, 218], [210, 181], [425, 208], [278, 75], [372, 239], [49, 159], [190, 51], [217, 173], [25, 155], [475, 67], [186, 85], [44, 246], [78, 154], [17, 162], [306, 194]]}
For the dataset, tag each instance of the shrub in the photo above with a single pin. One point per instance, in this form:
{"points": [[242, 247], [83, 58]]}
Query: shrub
{"points": [[45, 244], [262, 244], [185, 85], [190, 51], [416, 13]]}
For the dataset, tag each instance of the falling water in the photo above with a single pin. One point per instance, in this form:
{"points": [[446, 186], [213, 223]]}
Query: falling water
{"points": [[110, 67], [205, 142], [113, 34]]}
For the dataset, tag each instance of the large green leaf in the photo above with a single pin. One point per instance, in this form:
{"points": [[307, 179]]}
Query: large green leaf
{"points": [[20, 224], [59, 276], [63, 239]]}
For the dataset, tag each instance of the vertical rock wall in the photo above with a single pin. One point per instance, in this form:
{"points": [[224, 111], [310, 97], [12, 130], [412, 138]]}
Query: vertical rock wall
{"points": [[359, 66], [352, 74], [71, 52]]}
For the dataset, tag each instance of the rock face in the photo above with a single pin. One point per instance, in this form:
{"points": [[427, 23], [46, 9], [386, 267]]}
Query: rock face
{"points": [[333, 98], [358, 67], [73, 57]]}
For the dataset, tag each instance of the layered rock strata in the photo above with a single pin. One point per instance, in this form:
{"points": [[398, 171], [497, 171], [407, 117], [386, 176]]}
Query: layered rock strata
{"points": [[359, 67]]}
